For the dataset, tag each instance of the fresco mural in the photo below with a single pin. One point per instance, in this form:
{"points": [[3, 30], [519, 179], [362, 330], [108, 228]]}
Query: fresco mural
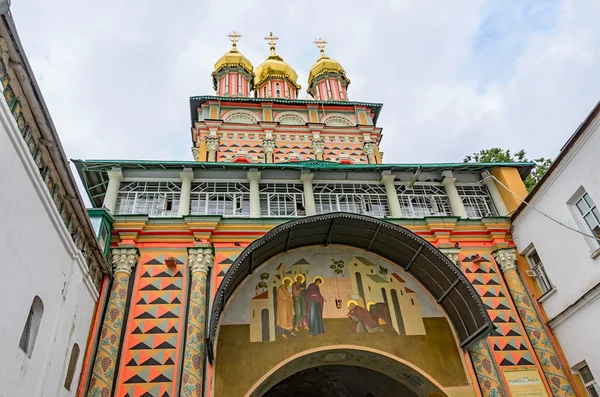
{"points": [[295, 296], [320, 297]]}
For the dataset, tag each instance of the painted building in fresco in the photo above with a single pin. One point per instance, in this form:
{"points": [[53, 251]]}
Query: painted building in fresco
{"points": [[286, 258], [51, 263]]}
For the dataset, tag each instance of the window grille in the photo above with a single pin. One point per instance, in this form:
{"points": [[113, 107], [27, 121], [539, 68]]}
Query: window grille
{"points": [[477, 200], [220, 198], [366, 199], [155, 199], [423, 200], [282, 199]]}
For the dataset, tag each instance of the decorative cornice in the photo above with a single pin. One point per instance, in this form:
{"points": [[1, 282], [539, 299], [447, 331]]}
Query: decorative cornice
{"points": [[200, 260], [124, 259], [506, 258]]}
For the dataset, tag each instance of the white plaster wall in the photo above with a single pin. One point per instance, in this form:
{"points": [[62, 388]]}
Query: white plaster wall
{"points": [[567, 255], [37, 257]]}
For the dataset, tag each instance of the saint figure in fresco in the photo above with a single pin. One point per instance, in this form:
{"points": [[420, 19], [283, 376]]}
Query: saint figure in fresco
{"points": [[299, 295], [285, 309], [362, 320], [314, 307]]}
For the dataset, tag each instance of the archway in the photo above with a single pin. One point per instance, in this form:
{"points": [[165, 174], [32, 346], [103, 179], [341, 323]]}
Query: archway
{"points": [[446, 284], [345, 371]]}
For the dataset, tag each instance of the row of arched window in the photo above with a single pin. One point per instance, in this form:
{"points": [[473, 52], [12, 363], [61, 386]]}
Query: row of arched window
{"points": [[30, 333]]}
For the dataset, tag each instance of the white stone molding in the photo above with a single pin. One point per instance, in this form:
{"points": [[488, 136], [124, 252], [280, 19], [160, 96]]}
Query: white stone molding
{"points": [[452, 254], [242, 118], [212, 144], [291, 119], [488, 181], [268, 145], [456, 204], [337, 121], [318, 146], [369, 148], [387, 180], [506, 258], [195, 153], [124, 259], [115, 177]]}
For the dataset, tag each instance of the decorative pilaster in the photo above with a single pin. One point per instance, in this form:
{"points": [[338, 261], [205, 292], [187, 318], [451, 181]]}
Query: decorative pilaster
{"points": [[456, 204], [452, 254], [387, 179], [101, 383], [254, 178], [488, 181], [317, 148], [369, 149], [542, 343], [196, 153], [269, 147], [309, 197], [212, 145], [115, 177], [486, 369], [187, 176], [199, 261]]}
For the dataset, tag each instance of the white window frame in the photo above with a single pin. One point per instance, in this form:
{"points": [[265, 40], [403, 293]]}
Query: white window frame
{"points": [[423, 199], [588, 383], [281, 199], [277, 90], [366, 198], [477, 200], [227, 84], [152, 198], [229, 199], [329, 93], [593, 244], [538, 271], [239, 90]]}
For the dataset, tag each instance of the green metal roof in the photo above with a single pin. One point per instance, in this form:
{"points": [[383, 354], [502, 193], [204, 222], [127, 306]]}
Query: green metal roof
{"points": [[93, 173], [197, 101]]}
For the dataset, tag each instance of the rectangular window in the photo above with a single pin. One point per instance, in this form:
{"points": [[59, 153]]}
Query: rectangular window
{"points": [[423, 200], [477, 200], [277, 90], [589, 381], [239, 90], [155, 199], [538, 271], [359, 198], [220, 198], [282, 200], [264, 91], [329, 96], [589, 213], [227, 84]]}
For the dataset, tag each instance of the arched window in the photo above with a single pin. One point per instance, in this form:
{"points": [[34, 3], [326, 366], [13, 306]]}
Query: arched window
{"points": [[32, 325], [72, 365]]}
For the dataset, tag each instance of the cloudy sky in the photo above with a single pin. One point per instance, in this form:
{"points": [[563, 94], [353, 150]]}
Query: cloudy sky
{"points": [[454, 76]]}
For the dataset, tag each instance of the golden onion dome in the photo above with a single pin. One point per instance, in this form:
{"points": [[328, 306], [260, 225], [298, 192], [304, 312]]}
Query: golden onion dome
{"points": [[232, 58], [274, 66], [325, 65]]}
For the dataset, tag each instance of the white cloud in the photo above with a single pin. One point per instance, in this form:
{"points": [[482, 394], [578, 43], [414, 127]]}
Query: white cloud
{"points": [[117, 75]]}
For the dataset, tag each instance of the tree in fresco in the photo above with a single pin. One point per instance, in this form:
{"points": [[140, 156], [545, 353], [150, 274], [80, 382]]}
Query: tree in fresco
{"points": [[263, 282], [337, 267]]}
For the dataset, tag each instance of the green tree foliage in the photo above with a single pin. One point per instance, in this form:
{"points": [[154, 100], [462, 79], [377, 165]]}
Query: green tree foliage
{"points": [[498, 155]]}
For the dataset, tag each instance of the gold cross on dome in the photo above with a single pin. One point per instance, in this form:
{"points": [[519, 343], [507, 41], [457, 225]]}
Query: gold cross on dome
{"points": [[272, 41], [320, 43], [234, 37]]}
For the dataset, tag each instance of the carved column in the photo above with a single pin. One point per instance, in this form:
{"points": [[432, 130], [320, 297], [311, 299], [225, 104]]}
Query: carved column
{"points": [[309, 197], [369, 149], [317, 148], [269, 147], [212, 145], [488, 181], [542, 343], [452, 254], [115, 177], [486, 370], [456, 204], [199, 261], [196, 153], [387, 179], [101, 383]]}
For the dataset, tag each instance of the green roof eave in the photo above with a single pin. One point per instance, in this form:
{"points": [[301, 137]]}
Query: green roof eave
{"points": [[197, 101]]}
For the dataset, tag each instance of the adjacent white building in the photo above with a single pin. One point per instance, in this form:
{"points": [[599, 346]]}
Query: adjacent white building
{"points": [[50, 262], [565, 259]]}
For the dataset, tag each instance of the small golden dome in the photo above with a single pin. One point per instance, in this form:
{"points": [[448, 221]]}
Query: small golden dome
{"points": [[233, 58], [324, 65], [275, 66]]}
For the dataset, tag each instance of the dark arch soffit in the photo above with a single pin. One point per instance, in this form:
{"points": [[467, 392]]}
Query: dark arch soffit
{"points": [[427, 264]]}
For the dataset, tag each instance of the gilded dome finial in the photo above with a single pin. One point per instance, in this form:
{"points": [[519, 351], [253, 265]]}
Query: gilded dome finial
{"points": [[320, 43], [234, 37], [272, 41]]}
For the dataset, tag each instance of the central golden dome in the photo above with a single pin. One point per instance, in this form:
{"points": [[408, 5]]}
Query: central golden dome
{"points": [[275, 66]]}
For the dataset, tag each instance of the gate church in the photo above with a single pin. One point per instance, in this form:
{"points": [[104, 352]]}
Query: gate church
{"points": [[287, 259]]}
